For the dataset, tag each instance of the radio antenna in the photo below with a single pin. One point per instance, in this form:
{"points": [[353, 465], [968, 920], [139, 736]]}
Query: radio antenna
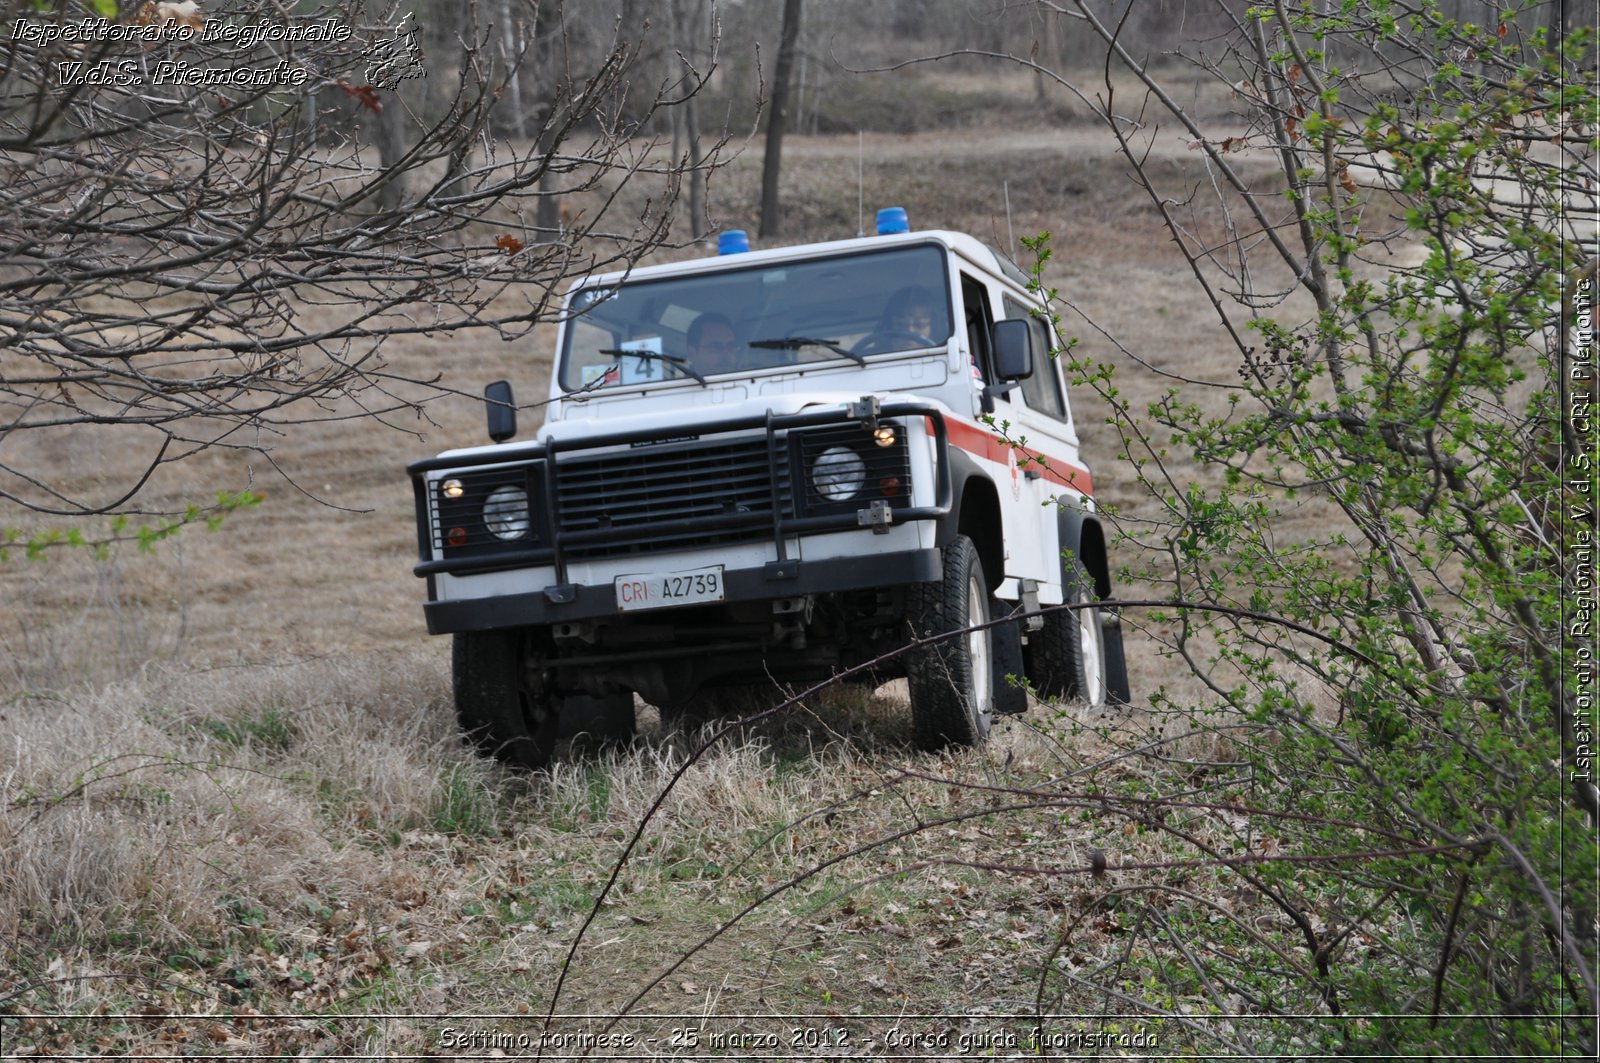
{"points": [[861, 209], [1005, 188]]}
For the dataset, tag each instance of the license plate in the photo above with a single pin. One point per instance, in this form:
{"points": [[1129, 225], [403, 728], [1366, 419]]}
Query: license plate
{"points": [[673, 588]]}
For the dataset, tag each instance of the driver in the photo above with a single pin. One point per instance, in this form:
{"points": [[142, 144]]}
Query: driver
{"points": [[713, 345], [912, 312]]}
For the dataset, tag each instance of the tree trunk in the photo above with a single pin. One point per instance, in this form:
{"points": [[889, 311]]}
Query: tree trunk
{"points": [[697, 176], [391, 135], [1043, 54], [776, 117], [1556, 22], [513, 59]]}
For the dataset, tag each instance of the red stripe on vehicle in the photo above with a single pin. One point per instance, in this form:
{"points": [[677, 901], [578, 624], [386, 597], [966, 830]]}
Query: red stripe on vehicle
{"points": [[984, 444]]}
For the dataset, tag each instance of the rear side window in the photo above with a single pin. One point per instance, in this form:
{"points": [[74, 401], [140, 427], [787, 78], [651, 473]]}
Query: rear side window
{"points": [[1042, 390]]}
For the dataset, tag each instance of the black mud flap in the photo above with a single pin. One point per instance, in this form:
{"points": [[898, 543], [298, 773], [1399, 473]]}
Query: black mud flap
{"points": [[1010, 696], [1118, 691]]}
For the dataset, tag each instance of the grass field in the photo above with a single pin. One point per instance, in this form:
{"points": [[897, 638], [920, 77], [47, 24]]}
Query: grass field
{"points": [[235, 818]]}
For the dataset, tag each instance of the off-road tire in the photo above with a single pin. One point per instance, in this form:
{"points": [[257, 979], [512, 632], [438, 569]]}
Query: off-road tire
{"points": [[952, 682], [494, 706], [1067, 656]]}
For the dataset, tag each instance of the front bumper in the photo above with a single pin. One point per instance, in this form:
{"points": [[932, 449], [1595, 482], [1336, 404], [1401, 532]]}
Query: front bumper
{"points": [[773, 581]]}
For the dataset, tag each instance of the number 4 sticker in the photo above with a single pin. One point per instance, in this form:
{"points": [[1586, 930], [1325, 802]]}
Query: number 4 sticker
{"points": [[643, 370]]}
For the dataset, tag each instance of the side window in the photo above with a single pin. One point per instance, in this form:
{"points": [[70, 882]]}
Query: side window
{"points": [[1042, 390], [975, 299]]}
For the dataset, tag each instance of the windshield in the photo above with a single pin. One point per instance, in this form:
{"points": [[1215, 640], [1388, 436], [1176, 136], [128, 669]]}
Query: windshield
{"points": [[740, 320]]}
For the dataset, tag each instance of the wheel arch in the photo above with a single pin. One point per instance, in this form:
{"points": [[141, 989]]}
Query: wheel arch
{"points": [[975, 513], [1082, 536]]}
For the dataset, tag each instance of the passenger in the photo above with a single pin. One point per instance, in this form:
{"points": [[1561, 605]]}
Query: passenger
{"points": [[713, 345]]}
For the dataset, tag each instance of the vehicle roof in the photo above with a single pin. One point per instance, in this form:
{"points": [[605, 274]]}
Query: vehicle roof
{"points": [[968, 247]]}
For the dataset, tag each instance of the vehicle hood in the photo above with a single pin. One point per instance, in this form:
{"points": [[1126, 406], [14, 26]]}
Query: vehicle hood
{"points": [[678, 421], [687, 421]]}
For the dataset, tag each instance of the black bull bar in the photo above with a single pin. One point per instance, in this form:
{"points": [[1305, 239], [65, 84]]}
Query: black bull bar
{"points": [[867, 412]]}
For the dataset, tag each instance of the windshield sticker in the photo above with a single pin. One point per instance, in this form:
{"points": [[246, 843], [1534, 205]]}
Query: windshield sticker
{"points": [[643, 370], [590, 296], [599, 375]]}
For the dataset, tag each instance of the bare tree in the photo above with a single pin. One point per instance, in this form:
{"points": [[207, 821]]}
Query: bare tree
{"points": [[777, 117], [696, 33], [190, 246]]}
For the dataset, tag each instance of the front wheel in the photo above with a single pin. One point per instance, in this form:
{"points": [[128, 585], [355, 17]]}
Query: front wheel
{"points": [[497, 708], [952, 681]]}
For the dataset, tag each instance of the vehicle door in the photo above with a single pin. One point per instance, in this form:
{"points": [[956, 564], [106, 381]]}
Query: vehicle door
{"points": [[1040, 405], [1029, 538], [1051, 469]]}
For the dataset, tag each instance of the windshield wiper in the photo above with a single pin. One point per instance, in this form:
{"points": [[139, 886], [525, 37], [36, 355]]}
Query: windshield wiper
{"points": [[794, 343], [680, 364]]}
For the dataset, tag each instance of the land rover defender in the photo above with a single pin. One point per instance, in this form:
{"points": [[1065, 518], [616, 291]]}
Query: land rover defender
{"points": [[764, 468]]}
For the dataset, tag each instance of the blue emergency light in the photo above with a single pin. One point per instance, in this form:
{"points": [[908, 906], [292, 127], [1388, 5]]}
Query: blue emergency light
{"points": [[893, 220], [732, 242]]}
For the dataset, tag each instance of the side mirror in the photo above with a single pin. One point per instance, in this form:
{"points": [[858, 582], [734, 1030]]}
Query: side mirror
{"points": [[1013, 349], [501, 410]]}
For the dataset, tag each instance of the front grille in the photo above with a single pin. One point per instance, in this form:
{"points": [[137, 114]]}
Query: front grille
{"points": [[654, 497]]}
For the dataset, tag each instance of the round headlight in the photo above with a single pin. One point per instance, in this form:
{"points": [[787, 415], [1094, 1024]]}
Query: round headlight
{"points": [[839, 473], [505, 512]]}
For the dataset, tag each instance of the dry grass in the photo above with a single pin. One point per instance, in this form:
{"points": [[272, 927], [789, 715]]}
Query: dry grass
{"points": [[311, 839], [229, 782]]}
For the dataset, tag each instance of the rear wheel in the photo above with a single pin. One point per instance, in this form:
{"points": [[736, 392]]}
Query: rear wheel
{"points": [[952, 682], [495, 705]]}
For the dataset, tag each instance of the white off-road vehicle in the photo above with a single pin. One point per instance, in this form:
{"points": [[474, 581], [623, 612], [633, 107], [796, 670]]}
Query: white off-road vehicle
{"points": [[765, 468]]}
